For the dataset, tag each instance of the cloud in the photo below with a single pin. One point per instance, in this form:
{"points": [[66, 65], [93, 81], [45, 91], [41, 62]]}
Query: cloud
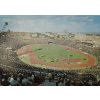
{"points": [[56, 23]]}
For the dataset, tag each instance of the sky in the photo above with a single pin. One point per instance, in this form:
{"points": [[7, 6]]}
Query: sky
{"points": [[51, 23]]}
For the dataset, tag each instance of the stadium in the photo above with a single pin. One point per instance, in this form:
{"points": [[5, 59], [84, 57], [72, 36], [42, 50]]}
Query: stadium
{"points": [[55, 56], [49, 59]]}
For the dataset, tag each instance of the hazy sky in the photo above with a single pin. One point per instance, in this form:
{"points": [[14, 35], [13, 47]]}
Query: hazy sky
{"points": [[52, 23]]}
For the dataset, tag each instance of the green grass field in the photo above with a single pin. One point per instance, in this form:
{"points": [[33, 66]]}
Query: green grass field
{"points": [[25, 58], [56, 56], [54, 53]]}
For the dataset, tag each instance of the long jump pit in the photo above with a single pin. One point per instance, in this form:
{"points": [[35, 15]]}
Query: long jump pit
{"points": [[57, 57]]}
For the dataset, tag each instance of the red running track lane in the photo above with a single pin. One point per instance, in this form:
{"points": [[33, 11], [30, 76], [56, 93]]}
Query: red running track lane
{"points": [[64, 64]]}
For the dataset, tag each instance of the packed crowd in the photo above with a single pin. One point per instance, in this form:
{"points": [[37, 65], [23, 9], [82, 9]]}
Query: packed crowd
{"points": [[23, 75], [44, 77]]}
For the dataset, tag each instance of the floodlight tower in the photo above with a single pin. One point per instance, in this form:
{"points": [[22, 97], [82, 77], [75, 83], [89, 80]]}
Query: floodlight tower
{"points": [[3, 33], [4, 26]]}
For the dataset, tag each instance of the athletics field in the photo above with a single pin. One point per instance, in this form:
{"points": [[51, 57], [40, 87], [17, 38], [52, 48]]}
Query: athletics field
{"points": [[54, 56]]}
